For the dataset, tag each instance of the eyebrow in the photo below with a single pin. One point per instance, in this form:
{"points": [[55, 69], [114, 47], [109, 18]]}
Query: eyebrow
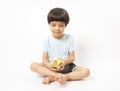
{"points": [[59, 23]]}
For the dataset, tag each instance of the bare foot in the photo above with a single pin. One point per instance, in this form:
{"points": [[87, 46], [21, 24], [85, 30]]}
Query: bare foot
{"points": [[47, 80], [61, 79]]}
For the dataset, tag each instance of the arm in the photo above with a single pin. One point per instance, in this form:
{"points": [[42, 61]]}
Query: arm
{"points": [[46, 62], [45, 58], [67, 61], [70, 59]]}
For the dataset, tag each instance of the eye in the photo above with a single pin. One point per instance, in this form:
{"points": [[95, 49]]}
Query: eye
{"points": [[53, 25], [61, 25]]}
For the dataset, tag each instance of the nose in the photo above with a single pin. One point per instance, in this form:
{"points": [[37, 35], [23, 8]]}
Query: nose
{"points": [[57, 28]]}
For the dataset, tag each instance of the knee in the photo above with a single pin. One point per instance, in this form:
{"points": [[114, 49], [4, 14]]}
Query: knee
{"points": [[84, 71], [33, 66], [87, 72]]}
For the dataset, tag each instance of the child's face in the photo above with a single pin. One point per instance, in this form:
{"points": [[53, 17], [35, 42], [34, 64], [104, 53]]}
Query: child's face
{"points": [[57, 29]]}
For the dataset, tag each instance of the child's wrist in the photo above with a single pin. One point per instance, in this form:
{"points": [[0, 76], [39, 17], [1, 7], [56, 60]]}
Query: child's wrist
{"points": [[63, 61]]}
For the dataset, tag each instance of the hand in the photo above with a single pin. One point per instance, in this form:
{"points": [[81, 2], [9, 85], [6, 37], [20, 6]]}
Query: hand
{"points": [[51, 67], [54, 69], [61, 66]]}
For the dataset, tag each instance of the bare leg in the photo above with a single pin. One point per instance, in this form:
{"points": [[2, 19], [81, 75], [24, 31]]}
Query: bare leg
{"points": [[51, 75], [78, 74], [42, 70]]}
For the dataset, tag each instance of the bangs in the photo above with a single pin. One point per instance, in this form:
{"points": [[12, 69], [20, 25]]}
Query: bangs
{"points": [[56, 18]]}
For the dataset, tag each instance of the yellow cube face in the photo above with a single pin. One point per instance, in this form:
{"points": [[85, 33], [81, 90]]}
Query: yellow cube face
{"points": [[56, 63]]}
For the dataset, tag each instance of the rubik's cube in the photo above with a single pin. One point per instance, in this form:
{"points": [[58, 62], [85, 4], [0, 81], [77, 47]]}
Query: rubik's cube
{"points": [[55, 63]]}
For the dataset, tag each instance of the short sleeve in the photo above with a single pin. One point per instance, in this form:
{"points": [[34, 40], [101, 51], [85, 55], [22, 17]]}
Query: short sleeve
{"points": [[71, 44], [45, 45]]}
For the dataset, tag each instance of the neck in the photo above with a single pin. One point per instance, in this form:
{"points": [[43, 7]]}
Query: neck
{"points": [[58, 37]]}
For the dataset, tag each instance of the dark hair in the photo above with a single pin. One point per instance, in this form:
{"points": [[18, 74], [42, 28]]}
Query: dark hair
{"points": [[58, 14]]}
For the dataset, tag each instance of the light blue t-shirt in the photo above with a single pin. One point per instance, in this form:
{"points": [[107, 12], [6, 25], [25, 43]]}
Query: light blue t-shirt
{"points": [[58, 48]]}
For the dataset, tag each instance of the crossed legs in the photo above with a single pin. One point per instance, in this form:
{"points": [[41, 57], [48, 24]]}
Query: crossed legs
{"points": [[51, 76]]}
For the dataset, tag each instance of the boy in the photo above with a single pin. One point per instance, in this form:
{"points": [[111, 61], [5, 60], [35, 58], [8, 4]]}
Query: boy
{"points": [[59, 45]]}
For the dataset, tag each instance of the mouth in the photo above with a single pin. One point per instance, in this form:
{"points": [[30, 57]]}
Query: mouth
{"points": [[57, 32]]}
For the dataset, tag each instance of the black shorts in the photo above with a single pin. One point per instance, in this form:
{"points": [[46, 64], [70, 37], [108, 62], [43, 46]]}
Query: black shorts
{"points": [[68, 68]]}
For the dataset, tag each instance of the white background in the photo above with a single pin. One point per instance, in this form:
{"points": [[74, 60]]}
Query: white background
{"points": [[94, 25]]}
